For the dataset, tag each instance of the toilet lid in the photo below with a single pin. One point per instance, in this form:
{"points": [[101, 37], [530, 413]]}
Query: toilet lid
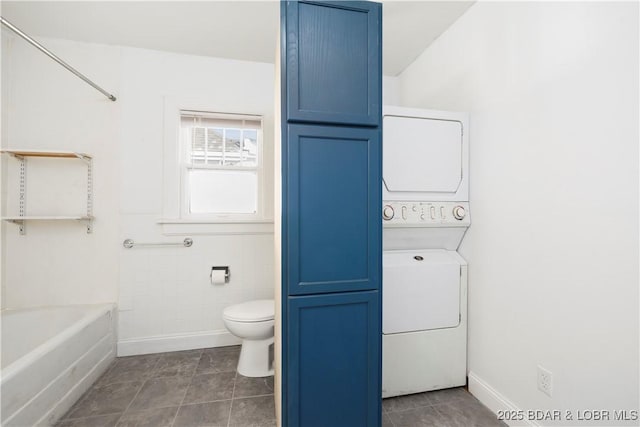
{"points": [[251, 311]]}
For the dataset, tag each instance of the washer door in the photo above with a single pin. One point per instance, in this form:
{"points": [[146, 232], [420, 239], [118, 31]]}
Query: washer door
{"points": [[421, 291]]}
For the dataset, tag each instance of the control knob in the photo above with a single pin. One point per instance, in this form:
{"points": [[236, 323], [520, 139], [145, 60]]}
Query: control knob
{"points": [[387, 213], [459, 212]]}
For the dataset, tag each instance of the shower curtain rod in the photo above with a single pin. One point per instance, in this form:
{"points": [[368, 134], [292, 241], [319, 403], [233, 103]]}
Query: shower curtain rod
{"points": [[47, 52]]}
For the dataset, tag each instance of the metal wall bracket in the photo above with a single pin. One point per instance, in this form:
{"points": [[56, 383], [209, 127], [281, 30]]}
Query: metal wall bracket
{"points": [[20, 223], [89, 193], [22, 197]]}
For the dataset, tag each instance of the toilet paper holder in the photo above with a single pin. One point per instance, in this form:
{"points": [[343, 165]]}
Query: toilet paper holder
{"points": [[227, 273]]}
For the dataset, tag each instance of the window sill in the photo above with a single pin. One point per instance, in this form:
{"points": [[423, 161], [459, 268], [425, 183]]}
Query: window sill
{"points": [[177, 226]]}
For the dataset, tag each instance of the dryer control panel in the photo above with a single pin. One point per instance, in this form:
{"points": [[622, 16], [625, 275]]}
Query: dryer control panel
{"points": [[425, 214]]}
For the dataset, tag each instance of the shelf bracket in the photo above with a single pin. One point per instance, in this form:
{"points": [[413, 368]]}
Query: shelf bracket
{"points": [[89, 193], [20, 223], [22, 198]]}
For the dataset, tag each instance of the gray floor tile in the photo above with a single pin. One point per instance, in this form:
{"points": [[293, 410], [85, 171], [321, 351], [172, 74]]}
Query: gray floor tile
{"points": [[131, 368], [386, 421], [468, 413], [418, 417], [253, 412], [165, 392], [247, 387], [107, 399], [161, 393], [177, 363], [403, 403], [448, 395], [203, 414], [220, 359], [162, 417], [210, 387], [99, 421]]}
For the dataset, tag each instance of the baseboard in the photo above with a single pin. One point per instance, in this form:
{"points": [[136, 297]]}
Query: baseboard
{"points": [[164, 343], [495, 401]]}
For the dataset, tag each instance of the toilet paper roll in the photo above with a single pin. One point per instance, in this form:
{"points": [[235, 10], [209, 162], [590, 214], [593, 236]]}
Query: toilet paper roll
{"points": [[217, 277]]}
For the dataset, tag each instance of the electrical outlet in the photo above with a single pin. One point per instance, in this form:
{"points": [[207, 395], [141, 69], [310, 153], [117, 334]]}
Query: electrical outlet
{"points": [[545, 381]]}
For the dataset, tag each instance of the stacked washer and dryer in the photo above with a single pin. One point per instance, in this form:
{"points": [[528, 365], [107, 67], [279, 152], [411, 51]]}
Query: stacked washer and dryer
{"points": [[425, 217]]}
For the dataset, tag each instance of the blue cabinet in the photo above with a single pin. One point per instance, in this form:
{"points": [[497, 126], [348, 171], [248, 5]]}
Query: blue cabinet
{"points": [[333, 62], [334, 360], [331, 216], [333, 209]]}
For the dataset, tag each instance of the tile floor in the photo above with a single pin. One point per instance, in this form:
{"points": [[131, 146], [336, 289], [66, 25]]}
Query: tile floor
{"points": [[180, 389], [454, 407], [202, 388]]}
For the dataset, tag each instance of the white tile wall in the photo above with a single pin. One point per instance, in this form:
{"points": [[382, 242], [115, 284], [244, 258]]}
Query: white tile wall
{"points": [[44, 107], [167, 291], [164, 294]]}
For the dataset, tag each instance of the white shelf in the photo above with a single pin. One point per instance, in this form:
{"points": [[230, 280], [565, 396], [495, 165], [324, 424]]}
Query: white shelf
{"points": [[47, 218], [40, 153], [22, 217]]}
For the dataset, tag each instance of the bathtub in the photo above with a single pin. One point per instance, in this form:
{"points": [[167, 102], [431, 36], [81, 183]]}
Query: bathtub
{"points": [[50, 356]]}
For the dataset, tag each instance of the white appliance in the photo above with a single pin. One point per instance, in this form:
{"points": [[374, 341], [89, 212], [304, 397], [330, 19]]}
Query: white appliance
{"points": [[425, 217]]}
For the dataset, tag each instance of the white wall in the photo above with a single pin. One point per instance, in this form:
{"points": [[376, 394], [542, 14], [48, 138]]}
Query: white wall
{"points": [[47, 108], [4, 44], [552, 89], [277, 228], [165, 298], [390, 90]]}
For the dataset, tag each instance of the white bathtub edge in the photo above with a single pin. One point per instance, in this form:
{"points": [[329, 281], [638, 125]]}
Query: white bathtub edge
{"points": [[69, 399], [58, 408], [45, 391], [178, 342], [19, 365]]}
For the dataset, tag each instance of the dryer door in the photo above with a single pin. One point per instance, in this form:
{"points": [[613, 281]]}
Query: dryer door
{"points": [[422, 155], [421, 291]]}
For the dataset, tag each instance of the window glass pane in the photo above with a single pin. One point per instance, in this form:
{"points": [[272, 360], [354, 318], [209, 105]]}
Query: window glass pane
{"points": [[219, 147], [214, 146], [223, 191], [198, 152], [250, 147], [232, 147]]}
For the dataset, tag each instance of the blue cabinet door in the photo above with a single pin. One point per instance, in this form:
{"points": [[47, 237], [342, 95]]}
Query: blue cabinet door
{"points": [[331, 219], [334, 360], [333, 62], [333, 209]]}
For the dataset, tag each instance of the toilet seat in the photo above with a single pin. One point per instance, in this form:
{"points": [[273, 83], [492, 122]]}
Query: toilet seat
{"points": [[251, 311]]}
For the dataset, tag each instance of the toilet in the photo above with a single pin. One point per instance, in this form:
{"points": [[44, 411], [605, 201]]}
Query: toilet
{"points": [[253, 322]]}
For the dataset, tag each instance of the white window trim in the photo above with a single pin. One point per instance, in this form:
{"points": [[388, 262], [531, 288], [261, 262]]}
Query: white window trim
{"points": [[184, 172], [175, 218]]}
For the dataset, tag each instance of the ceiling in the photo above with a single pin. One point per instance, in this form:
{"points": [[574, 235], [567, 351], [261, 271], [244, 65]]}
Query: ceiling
{"points": [[244, 30]]}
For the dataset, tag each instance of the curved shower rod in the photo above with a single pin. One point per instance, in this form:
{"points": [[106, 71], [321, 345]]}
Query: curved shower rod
{"points": [[47, 52]]}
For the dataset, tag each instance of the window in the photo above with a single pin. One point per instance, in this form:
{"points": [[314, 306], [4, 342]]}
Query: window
{"points": [[221, 172]]}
